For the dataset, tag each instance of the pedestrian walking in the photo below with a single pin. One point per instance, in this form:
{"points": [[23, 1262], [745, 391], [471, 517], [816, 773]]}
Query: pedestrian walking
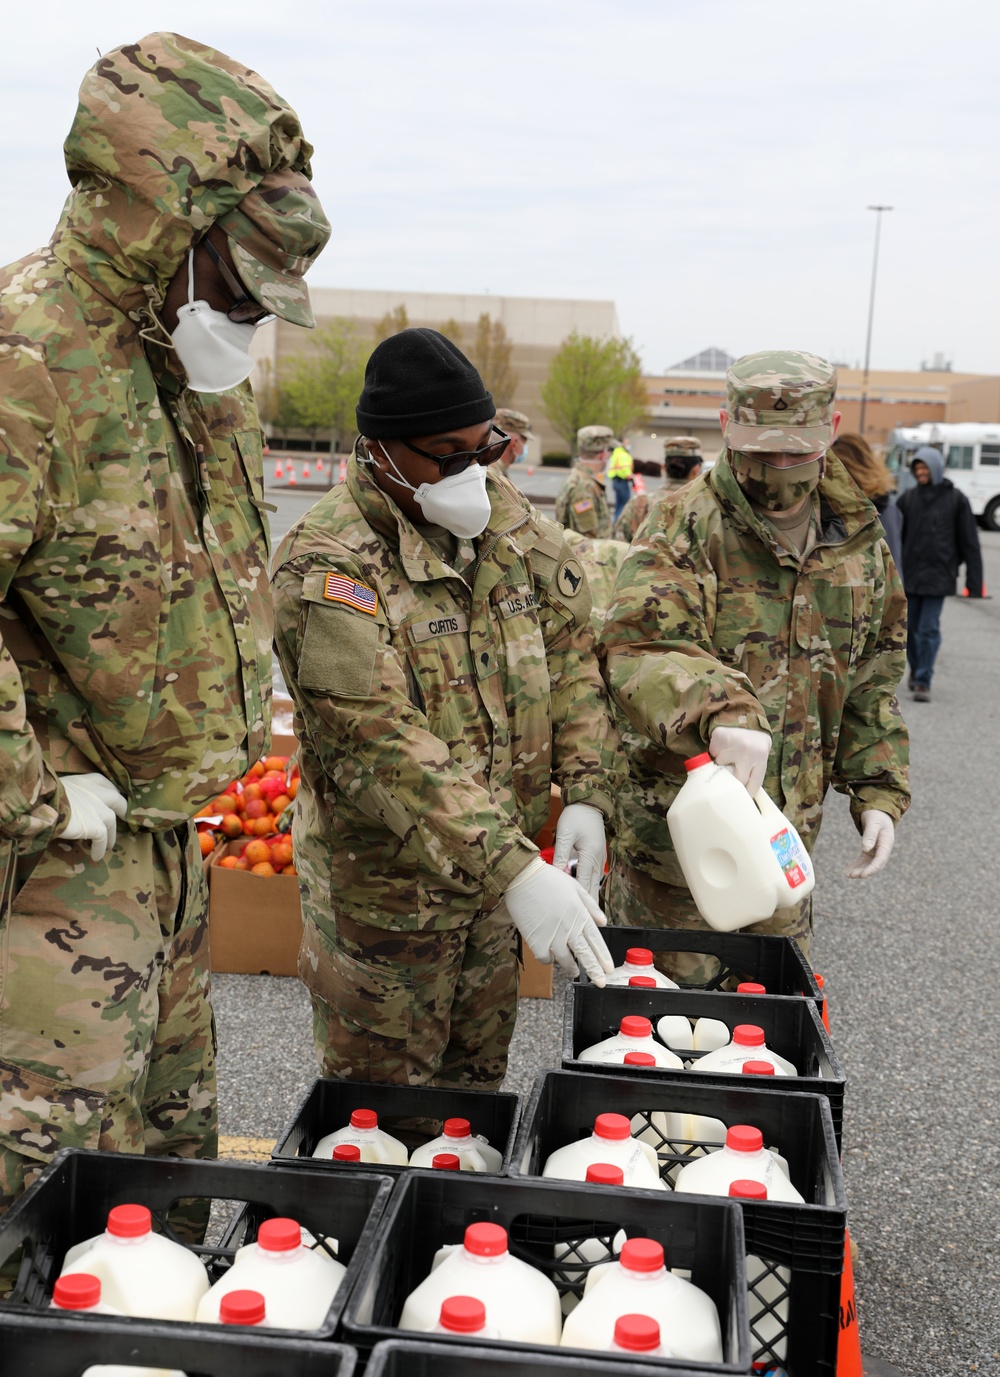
{"points": [[620, 472]]}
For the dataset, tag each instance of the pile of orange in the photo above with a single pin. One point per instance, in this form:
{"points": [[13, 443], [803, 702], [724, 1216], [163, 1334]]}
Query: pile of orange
{"points": [[250, 807]]}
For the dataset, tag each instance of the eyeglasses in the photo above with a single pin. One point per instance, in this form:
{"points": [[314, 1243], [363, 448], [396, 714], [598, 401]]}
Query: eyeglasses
{"points": [[450, 464], [245, 310]]}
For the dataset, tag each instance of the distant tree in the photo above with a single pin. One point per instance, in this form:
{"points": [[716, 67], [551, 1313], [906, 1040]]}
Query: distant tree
{"points": [[453, 331], [391, 323], [320, 390], [490, 351], [594, 382]]}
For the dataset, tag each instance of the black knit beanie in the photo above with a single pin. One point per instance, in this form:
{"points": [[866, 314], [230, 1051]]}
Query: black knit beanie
{"points": [[419, 383]]}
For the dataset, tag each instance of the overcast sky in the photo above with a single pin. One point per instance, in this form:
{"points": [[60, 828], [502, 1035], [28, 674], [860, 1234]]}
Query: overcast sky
{"points": [[706, 164]]}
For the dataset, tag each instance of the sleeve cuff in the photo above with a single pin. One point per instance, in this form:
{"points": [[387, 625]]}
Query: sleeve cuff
{"points": [[582, 791], [511, 861]]}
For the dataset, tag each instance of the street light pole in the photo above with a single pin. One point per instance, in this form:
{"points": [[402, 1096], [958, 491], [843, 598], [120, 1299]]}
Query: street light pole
{"points": [[871, 314]]}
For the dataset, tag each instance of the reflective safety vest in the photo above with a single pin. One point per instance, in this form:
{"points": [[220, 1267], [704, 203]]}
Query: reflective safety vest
{"points": [[620, 464]]}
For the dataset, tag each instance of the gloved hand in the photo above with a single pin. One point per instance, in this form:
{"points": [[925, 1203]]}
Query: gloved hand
{"points": [[580, 833], [877, 837], [94, 808], [558, 919], [746, 751]]}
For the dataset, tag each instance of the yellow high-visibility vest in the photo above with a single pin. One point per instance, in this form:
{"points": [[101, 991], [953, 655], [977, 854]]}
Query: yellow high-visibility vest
{"points": [[620, 465]]}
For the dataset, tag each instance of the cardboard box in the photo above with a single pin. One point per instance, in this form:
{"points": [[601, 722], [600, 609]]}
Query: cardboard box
{"points": [[254, 921]]}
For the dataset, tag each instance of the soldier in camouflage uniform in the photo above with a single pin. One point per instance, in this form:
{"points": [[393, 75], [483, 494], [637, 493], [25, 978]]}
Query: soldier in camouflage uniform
{"points": [[582, 504], [758, 616], [682, 455], [601, 560], [443, 673], [518, 427], [136, 618]]}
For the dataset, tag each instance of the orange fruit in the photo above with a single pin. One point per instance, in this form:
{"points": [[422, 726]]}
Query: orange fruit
{"points": [[227, 862], [207, 842], [293, 788], [252, 792], [242, 864], [257, 851], [276, 762], [263, 827], [231, 825], [263, 868], [279, 804], [281, 852], [256, 808], [289, 870], [225, 803], [255, 771]]}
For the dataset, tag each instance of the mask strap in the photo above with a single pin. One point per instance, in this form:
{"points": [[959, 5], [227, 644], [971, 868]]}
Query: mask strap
{"points": [[191, 277], [400, 479]]}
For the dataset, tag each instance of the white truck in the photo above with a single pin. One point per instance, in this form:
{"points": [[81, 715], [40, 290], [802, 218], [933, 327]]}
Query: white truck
{"points": [[972, 461]]}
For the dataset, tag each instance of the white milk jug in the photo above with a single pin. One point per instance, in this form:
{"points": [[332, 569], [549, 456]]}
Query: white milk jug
{"points": [[768, 1286], [80, 1293], [639, 1334], [747, 1045], [635, 1034], [141, 1273], [243, 1307], [466, 1316], [521, 1303], [743, 1157], [639, 961], [588, 1250], [611, 1142], [741, 857], [298, 1284], [363, 1131], [673, 1029], [710, 1033], [474, 1154], [639, 1284]]}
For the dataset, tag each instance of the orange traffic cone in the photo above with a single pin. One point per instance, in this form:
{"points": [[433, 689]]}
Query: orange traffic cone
{"points": [[965, 592], [292, 480], [319, 466], [279, 472], [638, 483], [826, 1018], [531, 471], [306, 475], [343, 471], [849, 1343]]}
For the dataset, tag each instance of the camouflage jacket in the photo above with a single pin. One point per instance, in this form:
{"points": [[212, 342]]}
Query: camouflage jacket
{"points": [[582, 505], [436, 703], [714, 623], [634, 513], [601, 560], [135, 614]]}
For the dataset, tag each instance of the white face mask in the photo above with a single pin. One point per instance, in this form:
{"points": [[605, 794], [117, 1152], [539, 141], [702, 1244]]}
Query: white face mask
{"points": [[214, 350], [460, 503]]}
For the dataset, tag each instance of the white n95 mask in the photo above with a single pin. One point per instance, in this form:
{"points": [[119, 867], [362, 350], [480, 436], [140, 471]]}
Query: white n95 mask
{"points": [[460, 503], [214, 350]]}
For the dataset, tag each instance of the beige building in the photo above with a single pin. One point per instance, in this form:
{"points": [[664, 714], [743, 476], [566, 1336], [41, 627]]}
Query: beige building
{"points": [[536, 327]]}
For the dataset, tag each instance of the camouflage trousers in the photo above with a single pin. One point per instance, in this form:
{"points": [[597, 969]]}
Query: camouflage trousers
{"points": [[107, 1038], [413, 1008], [632, 899]]}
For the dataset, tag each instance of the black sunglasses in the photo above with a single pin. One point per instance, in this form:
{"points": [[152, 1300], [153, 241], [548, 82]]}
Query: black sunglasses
{"points": [[246, 310], [450, 464]]}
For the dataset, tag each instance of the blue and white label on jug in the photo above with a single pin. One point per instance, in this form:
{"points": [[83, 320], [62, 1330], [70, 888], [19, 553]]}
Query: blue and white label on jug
{"points": [[791, 856]]}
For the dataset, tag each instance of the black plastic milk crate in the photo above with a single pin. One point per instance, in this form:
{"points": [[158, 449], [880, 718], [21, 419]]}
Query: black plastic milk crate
{"points": [[776, 963], [792, 1028], [413, 1113], [416, 1358], [431, 1208], [70, 1202], [70, 1346]]}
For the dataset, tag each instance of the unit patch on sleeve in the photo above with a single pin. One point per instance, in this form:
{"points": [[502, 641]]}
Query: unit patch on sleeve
{"points": [[338, 588], [569, 579], [585, 505]]}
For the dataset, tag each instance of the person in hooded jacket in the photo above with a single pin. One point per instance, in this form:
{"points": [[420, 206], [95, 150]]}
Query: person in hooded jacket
{"points": [[876, 482], [135, 615], [939, 535]]}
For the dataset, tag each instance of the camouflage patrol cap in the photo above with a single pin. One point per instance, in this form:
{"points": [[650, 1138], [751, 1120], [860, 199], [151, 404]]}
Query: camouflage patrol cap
{"points": [[681, 445], [514, 422], [594, 439], [780, 401]]}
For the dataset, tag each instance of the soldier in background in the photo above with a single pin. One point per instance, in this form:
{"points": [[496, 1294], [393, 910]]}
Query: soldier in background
{"points": [[135, 618], [582, 504], [433, 630], [682, 461], [518, 427], [758, 616]]}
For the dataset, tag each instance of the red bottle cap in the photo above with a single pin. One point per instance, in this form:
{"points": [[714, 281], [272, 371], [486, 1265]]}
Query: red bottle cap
{"points": [[697, 761], [457, 1128], [346, 1152], [129, 1221], [747, 1190], [637, 1333], [605, 1174], [241, 1307], [639, 1059], [642, 1255], [279, 1235], [463, 1315], [486, 1240], [748, 1035], [750, 987], [447, 1161], [634, 1026], [639, 956], [743, 1138], [758, 1068], [78, 1291], [364, 1118], [612, 1126], [641, 982]]}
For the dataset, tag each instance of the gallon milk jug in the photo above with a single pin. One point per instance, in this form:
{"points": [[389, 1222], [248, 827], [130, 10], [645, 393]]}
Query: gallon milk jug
{"points": [[611, 1142], [141, 1273], [298, 1285], [741, 857], [639, 961], [674, 1029], [743, 1157], [768, 1287], [639, 1334], [243, 1307], [80, 1293], [639, 1284], [635, 1034], [475, 1154], [587, 1250], [747, 1045], [466, 1316], [521, 1303], [363, 1131], [709, 1033]]}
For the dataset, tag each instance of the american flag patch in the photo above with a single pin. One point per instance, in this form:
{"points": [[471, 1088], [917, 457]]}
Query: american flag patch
{"points": [[340, 589]]}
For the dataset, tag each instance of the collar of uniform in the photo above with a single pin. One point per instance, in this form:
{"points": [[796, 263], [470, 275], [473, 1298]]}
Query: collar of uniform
{"points": [[589, 473], [843, 510]]}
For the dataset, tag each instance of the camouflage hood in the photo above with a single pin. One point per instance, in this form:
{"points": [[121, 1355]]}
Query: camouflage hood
{"points": [[170, 136]]}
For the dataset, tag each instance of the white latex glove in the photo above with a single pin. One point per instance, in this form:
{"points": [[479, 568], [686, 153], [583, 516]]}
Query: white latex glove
{"points": [[580, 833], [745, 752], [558, 919], [878, 834], [95, 806]]}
